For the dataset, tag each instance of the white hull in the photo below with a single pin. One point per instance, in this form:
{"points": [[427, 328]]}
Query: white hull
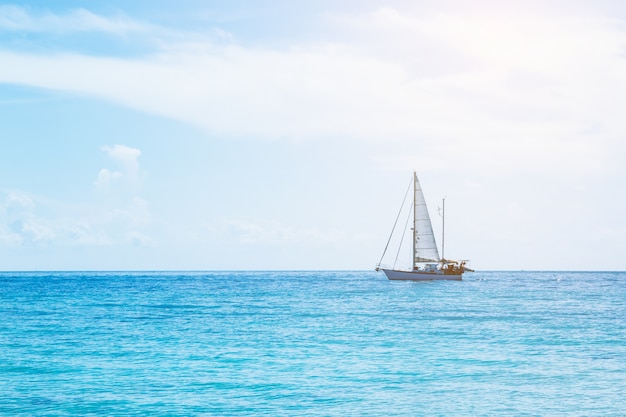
{"points": [[396, 275]]}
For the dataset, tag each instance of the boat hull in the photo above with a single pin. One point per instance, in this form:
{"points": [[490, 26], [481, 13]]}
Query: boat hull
{"points": [[396, 275]]}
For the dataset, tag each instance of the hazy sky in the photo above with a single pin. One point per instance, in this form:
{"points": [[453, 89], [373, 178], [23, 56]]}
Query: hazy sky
{"points": [[283, 134]]}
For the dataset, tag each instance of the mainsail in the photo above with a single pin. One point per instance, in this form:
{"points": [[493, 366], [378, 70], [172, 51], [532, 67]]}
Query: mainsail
{"points": [[424, 244]]}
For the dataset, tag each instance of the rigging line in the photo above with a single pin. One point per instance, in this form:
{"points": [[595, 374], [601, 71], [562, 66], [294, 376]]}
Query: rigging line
{"points": [[396, 222], [406, 224]]}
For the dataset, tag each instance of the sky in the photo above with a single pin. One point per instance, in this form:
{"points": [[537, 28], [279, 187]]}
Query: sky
{"points": [[280, 135]]}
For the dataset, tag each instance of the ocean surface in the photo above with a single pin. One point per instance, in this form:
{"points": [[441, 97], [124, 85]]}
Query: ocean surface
{"points": [[312, 344]]}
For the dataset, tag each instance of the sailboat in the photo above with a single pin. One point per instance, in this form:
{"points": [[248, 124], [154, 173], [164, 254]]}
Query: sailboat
{"points": [[426, 263]]}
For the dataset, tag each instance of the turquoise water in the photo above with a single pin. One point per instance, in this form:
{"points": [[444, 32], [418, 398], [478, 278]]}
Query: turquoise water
{"points": [[312, 344]]}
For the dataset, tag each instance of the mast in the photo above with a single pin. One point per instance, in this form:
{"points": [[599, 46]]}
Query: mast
{"points": [[414, 220]]}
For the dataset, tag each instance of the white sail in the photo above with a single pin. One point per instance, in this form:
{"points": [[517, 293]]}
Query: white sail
{"points": [[425, 246]]}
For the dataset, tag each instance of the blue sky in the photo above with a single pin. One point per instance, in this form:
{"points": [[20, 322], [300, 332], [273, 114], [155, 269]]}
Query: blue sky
{"points": [[281, 135]]}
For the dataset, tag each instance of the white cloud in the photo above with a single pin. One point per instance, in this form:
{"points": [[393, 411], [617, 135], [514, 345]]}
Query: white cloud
{"points": [[506, 89], [17, 18], [129, 173], [18, 202], [106, 177], [29, 220], [82, 233], [122, 223], [36, 231], [118, 216], [122, 213], [126, 156], [21, 224]]}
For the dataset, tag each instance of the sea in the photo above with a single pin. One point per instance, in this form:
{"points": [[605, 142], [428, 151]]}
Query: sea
{"points": [[315, 343]]}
